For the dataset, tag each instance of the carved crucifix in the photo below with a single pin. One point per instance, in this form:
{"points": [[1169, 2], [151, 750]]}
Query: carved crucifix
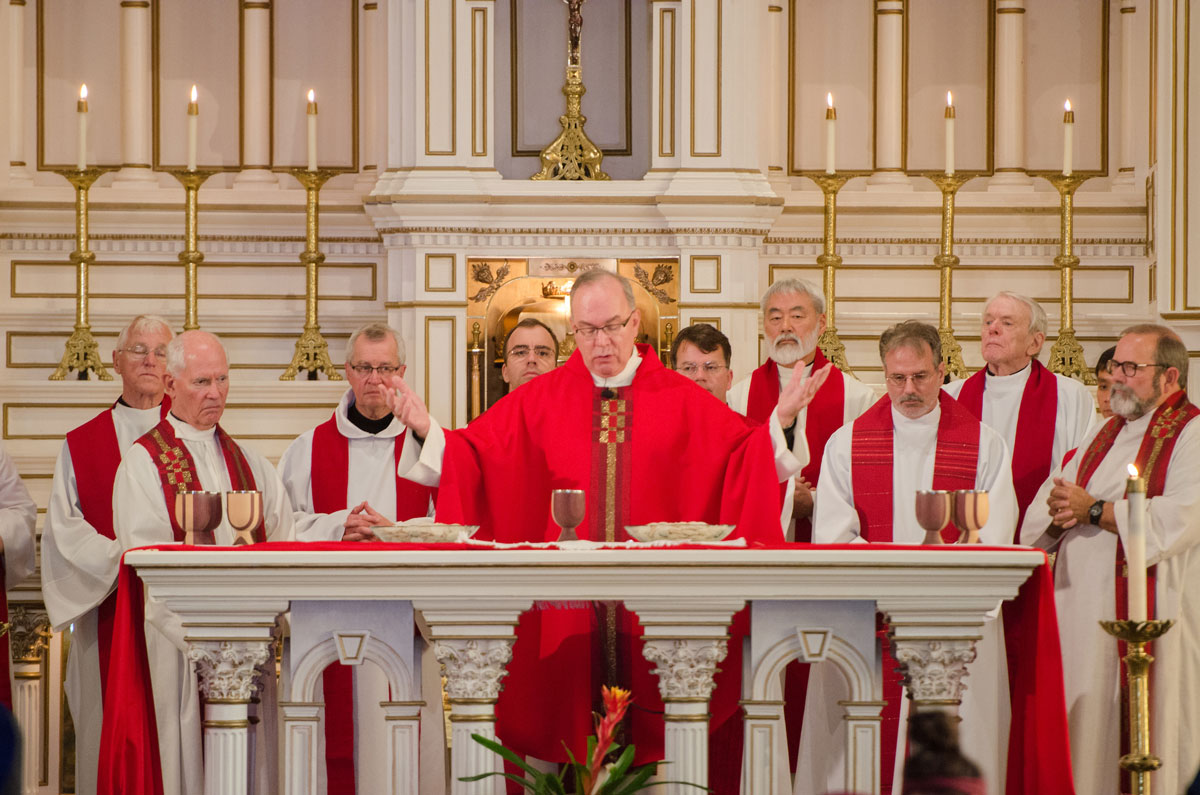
{"points": [[574, 26]]}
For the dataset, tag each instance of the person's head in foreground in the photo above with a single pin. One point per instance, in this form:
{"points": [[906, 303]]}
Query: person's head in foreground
{"points": [[793, 320], [702, 353], [1014, 329], [140, 358], [1104, 383], [912, 367], [1149, 365], [935, 764], [374, 354], [530, 350], [197, 378], [605, 320]]}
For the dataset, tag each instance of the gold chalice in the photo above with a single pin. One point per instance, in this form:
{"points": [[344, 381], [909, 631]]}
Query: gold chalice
{"points": [[198, 513], [568, 507], [244, 510], [970, 514], [934, 512]]}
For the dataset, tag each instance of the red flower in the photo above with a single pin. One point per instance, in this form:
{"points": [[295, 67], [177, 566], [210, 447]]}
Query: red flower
{"points": [[616, 702]]}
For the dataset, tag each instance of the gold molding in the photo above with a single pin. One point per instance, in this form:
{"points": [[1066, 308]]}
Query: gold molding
{"points": [[714, 321], [453, 273], [665, 14], [1010, 11], [1152, 94], [98, 406], [452, 151], [717, 305], [546, 230], [720, 5], [479, 94], [453, 320], [692, 272], [132, 3]]}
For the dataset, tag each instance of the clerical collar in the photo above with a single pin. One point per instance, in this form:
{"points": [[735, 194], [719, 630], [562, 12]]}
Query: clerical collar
{"points": [[1022, 372], [155, 407], [623, 378], [786, 371], [364, 423]]}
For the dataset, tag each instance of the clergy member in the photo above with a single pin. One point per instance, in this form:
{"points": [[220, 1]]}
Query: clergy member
{"points": [[18, 514], [341, 478], [702, 353], [80, 552], [1041, 415], [1104, 384], [793, 321], [530, 350], [187, 451], [915, 438], [1089, 525], [646, 446]]}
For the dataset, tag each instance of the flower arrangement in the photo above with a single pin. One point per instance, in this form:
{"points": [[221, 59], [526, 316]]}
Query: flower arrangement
{"points": [[591, 776]]}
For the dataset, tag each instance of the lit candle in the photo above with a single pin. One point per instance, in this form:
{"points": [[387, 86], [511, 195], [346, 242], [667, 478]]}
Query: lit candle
{"points": [[193, 119], [1135, 549], [312, 130], [949, 134], [81, 112], [830, 133], [1068, 137]]}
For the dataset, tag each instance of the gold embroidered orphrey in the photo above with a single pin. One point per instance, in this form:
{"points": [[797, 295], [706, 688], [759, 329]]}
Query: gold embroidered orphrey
{"points": [[175, 462]]}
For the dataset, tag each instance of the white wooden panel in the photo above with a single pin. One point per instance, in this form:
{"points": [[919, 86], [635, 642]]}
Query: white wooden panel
{"points": [[441, 368], [705, 92], [440, 84]]}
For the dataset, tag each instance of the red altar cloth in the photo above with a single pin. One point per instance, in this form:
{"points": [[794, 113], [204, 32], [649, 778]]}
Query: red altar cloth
{"points": [[1038, 751]]}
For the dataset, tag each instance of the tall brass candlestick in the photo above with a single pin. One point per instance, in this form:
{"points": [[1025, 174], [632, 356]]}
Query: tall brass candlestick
{"points": [[475, 359], [1139, 761], [312, 351], [948, 184], [829, 260], [1066, 355], [82, 353], [191, 179]]}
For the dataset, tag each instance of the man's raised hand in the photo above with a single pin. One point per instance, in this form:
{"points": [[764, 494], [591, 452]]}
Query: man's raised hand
{"points": [[408, 407], [799, 393]]}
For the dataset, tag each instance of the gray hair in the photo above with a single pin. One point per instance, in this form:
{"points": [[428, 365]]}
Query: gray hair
{"points": [[1037, 315], [1169, 350], [375, 332], [801, 286], [597, 275], [176, 353], [913, 334], [143, 323]]}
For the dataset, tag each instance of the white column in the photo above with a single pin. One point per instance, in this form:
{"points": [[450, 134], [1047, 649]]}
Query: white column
{"points": [[28, 634], [18, 168], [136, 126], [474, 28], [776, 96], [1010, 98], [1127, 116], [933, 648], [372, 72], [403, 720], [762, 773], [301, 725], [256, 98], [227, 670], [889, 98], [665, 75], [862, 745]]}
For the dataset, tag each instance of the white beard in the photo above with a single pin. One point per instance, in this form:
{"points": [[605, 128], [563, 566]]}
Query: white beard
{"points": [[1125, 404], [791, 354]]}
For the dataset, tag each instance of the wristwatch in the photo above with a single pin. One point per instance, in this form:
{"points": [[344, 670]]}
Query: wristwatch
{"points": [[1095, 512]]}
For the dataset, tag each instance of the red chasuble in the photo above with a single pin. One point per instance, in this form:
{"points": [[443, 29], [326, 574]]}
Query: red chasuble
{"points": [[330, 477], [1033, 446], [657, 450], [95, 456]]}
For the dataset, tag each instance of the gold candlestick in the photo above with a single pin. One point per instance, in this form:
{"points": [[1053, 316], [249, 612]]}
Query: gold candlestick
{"points": [[829, 260], [191, 179], [948, 184], [1136, 634], [81, 353], [1066, 355], [312, 351], [475, 360]]}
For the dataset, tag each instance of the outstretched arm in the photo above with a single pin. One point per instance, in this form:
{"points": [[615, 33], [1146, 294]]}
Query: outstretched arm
{"points": [[799, 393]]}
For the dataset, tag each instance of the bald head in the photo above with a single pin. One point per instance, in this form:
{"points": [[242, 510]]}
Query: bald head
{"points": [[197, 378]]}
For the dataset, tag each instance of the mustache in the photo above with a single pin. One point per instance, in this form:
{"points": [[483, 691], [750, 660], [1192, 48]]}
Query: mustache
{"points": [[787, 336]]}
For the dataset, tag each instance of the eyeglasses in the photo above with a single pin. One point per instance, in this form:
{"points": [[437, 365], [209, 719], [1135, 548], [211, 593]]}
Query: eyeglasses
{"points": [[1130, 368], [141, 352], [543, 352], [612, 329], [384, 370], [918, 379], [708, 368]]}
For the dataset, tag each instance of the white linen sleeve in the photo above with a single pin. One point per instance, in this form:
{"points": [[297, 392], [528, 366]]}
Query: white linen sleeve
{"points": [[835, 520], [18, 515], [995, 476], [139, 510], [1174, 516], [786, 463], [295, 471], [428, 469]]}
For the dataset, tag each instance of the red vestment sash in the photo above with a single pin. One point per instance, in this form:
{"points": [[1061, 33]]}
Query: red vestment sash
{"points": [[1033, 446], [95, 457], [329, 478], [5, 653], [177, 470]]}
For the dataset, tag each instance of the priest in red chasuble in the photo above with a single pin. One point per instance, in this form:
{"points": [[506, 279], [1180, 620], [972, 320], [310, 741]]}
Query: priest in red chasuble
{"points": [[647, 445], [1088, 523], [1040, 414], [188, 451], [80, 552], [341, 478], [915, 438]]}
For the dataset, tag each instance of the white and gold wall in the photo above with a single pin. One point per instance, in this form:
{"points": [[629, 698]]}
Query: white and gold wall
{"points": [[711, 114]]}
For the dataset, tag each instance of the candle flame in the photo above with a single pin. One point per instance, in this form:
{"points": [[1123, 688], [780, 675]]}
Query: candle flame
{"points": [[194, 95], [83, 91], [1133, 471], [829, 99], [949, 100], [312, 95], [1067, 106]]}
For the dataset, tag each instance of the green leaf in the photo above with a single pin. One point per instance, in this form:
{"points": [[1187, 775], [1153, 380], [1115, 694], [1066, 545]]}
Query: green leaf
{"points": [[617, 772], [638, 780], [492, 745]]}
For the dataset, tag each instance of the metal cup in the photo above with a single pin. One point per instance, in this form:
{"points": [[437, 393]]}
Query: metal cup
{"points": [[568, 507], [970, 514], [198, 513], [934, 512], [244, 511]]}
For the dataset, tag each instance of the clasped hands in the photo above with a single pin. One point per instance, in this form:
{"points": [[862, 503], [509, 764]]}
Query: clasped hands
{"points": [[1069, 505], [360, 521]]}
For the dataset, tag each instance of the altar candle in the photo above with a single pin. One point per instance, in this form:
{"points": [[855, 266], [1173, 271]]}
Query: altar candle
{"points": [[312, 130], [830, 133], [1068, 137], [193, 119], [1135, 550], [81, 109], [949, 134]]}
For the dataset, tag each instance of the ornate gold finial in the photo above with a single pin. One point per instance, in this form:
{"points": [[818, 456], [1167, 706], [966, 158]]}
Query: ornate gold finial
{"points": [[829, 261], [312, 351], [1066, 355], [572, 155], [946, 261]]}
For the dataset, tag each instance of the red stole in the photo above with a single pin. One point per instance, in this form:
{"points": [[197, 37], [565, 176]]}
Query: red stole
{"points": [[1033, 446], [954, 466], [5, 653], [177, 470], [95, 456]]}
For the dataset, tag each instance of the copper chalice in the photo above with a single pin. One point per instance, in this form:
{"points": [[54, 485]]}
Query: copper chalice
{"points": [[198, 513], [970, 514], [244, 510], [934, 512], [567, 507]]}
